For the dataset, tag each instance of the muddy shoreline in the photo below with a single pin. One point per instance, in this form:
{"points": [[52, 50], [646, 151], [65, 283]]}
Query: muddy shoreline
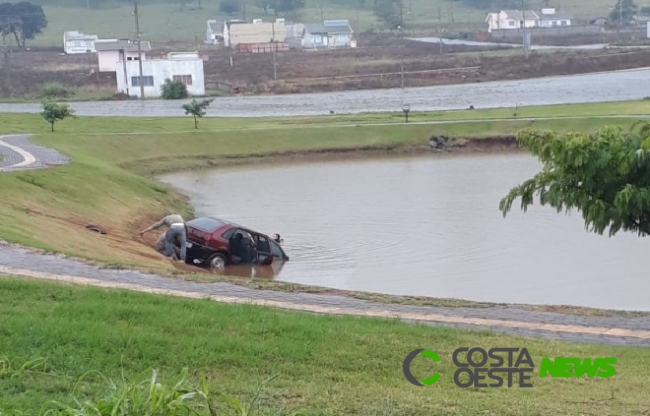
{"points": [[452, 145]]}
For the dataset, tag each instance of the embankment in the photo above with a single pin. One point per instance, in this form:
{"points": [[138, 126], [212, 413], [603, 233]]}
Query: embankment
{"points": [[111, 183]]}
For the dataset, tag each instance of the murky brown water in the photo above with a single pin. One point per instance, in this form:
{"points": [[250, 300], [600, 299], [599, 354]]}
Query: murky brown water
{"points": [[426, 226]]}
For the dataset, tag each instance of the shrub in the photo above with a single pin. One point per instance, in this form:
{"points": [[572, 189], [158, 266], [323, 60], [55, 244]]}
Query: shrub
{"points": [[174, 90], [56, 90]]}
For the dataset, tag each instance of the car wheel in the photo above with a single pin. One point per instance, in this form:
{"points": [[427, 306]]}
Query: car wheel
{"points": [[217, 262]]}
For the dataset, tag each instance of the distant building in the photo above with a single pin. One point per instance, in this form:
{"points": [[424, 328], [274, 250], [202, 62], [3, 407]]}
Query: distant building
{"points": [[186, 67], [329, 34], [77, 42], [257, 32], [553, 18], [295, 34], [214, 32], [512, 19], [255, 36], [109, 52]]}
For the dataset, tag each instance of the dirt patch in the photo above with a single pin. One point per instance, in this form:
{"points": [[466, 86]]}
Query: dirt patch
{"points": [[376, 63]]}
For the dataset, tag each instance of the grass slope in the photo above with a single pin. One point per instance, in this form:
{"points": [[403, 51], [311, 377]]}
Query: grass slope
{"points": [[108, 183], [165, 21], [122, 334]]}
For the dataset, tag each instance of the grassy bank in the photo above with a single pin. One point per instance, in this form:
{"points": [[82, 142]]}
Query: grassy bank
{"points": [[166, 21], [108, 181], [123, 334]]}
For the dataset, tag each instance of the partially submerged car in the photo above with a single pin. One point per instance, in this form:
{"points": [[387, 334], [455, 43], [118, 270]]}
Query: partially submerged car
{"points": [[215, 243]]}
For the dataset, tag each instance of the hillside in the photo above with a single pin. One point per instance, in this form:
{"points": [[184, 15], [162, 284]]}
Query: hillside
{"points": [[164, 21]]}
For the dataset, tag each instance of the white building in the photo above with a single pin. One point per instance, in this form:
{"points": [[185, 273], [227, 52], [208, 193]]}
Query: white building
{"points": [[214, 32], [186, 67], [512, 19], [110, 51], [648, 29], [553, 18], [77, 42]]}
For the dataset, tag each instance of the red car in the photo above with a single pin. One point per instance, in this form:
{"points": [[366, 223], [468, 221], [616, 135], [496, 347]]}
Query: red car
{"points": [[216, 243]]}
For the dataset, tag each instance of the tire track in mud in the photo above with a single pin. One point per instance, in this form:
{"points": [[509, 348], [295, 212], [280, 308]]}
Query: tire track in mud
{"points": [[20, 154]]}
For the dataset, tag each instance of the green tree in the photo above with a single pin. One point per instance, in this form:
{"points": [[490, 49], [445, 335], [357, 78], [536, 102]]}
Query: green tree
{"points": [[265, 5], [389, 12], [280, 6], [284, 6], [229, 7], [197, 109], [604, 175], [53, 112], [23, 20], [624, 11]]}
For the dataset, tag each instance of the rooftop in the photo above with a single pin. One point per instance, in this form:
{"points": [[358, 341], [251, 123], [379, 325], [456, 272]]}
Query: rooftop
{"points": [[519, 15], [118, 45], [329, 27], [559, 14]]}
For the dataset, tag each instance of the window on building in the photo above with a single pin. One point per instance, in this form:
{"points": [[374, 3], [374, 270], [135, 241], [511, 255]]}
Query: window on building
{"points": [[185, 79], [147, 81]]}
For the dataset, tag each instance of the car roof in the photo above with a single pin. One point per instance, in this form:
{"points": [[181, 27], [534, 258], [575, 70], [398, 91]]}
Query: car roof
{"points": [[231, 224]]}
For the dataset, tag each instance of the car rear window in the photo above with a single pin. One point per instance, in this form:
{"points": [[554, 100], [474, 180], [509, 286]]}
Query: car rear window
{"points": [[205, 223]]}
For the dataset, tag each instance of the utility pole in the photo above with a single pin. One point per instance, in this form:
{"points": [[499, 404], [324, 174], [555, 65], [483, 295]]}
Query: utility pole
{"points": [[137, 31], [523, 28], [401, 48], [321, 12], [620, 16], [275, 71], [7, 66]]}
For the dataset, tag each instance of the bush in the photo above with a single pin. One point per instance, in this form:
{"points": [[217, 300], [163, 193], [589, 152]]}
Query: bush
{"points": [[174, 90], [56, 90]]}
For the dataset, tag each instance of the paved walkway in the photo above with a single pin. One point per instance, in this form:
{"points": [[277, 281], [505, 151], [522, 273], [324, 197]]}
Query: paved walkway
{"points": [[19, 153]]}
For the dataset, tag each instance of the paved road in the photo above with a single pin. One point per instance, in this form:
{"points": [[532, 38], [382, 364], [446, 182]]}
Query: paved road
{"points": [[533, 46], [21, 154], [606, 86]]}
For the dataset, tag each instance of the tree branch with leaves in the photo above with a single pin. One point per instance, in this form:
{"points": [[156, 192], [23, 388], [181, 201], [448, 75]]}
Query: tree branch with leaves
{"points": [[604, 175]]}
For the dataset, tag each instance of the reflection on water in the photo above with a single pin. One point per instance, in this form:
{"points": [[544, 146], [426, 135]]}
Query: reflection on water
{"points": [[426, 226], [252, 271]]}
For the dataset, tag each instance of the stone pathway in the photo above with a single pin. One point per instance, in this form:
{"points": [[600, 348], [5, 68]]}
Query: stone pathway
{"points": [[18, 153]]}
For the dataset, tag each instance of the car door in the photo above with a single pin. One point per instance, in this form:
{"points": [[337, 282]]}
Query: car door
{"points": [[263, 249]]}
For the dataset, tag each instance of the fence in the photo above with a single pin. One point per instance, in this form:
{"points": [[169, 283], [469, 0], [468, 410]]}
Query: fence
{"points": [[547, 31], [262, 47]]}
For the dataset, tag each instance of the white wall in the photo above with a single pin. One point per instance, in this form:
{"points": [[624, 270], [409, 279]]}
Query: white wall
{"points": [[107, 60], [79, 46], [648, 34], [554, 22], [160, 70]]}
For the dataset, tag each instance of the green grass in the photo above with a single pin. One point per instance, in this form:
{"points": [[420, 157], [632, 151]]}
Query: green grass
{"points": [[122, 335], [109, 181], [33, 123], [164, 21], [77, 94]]}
